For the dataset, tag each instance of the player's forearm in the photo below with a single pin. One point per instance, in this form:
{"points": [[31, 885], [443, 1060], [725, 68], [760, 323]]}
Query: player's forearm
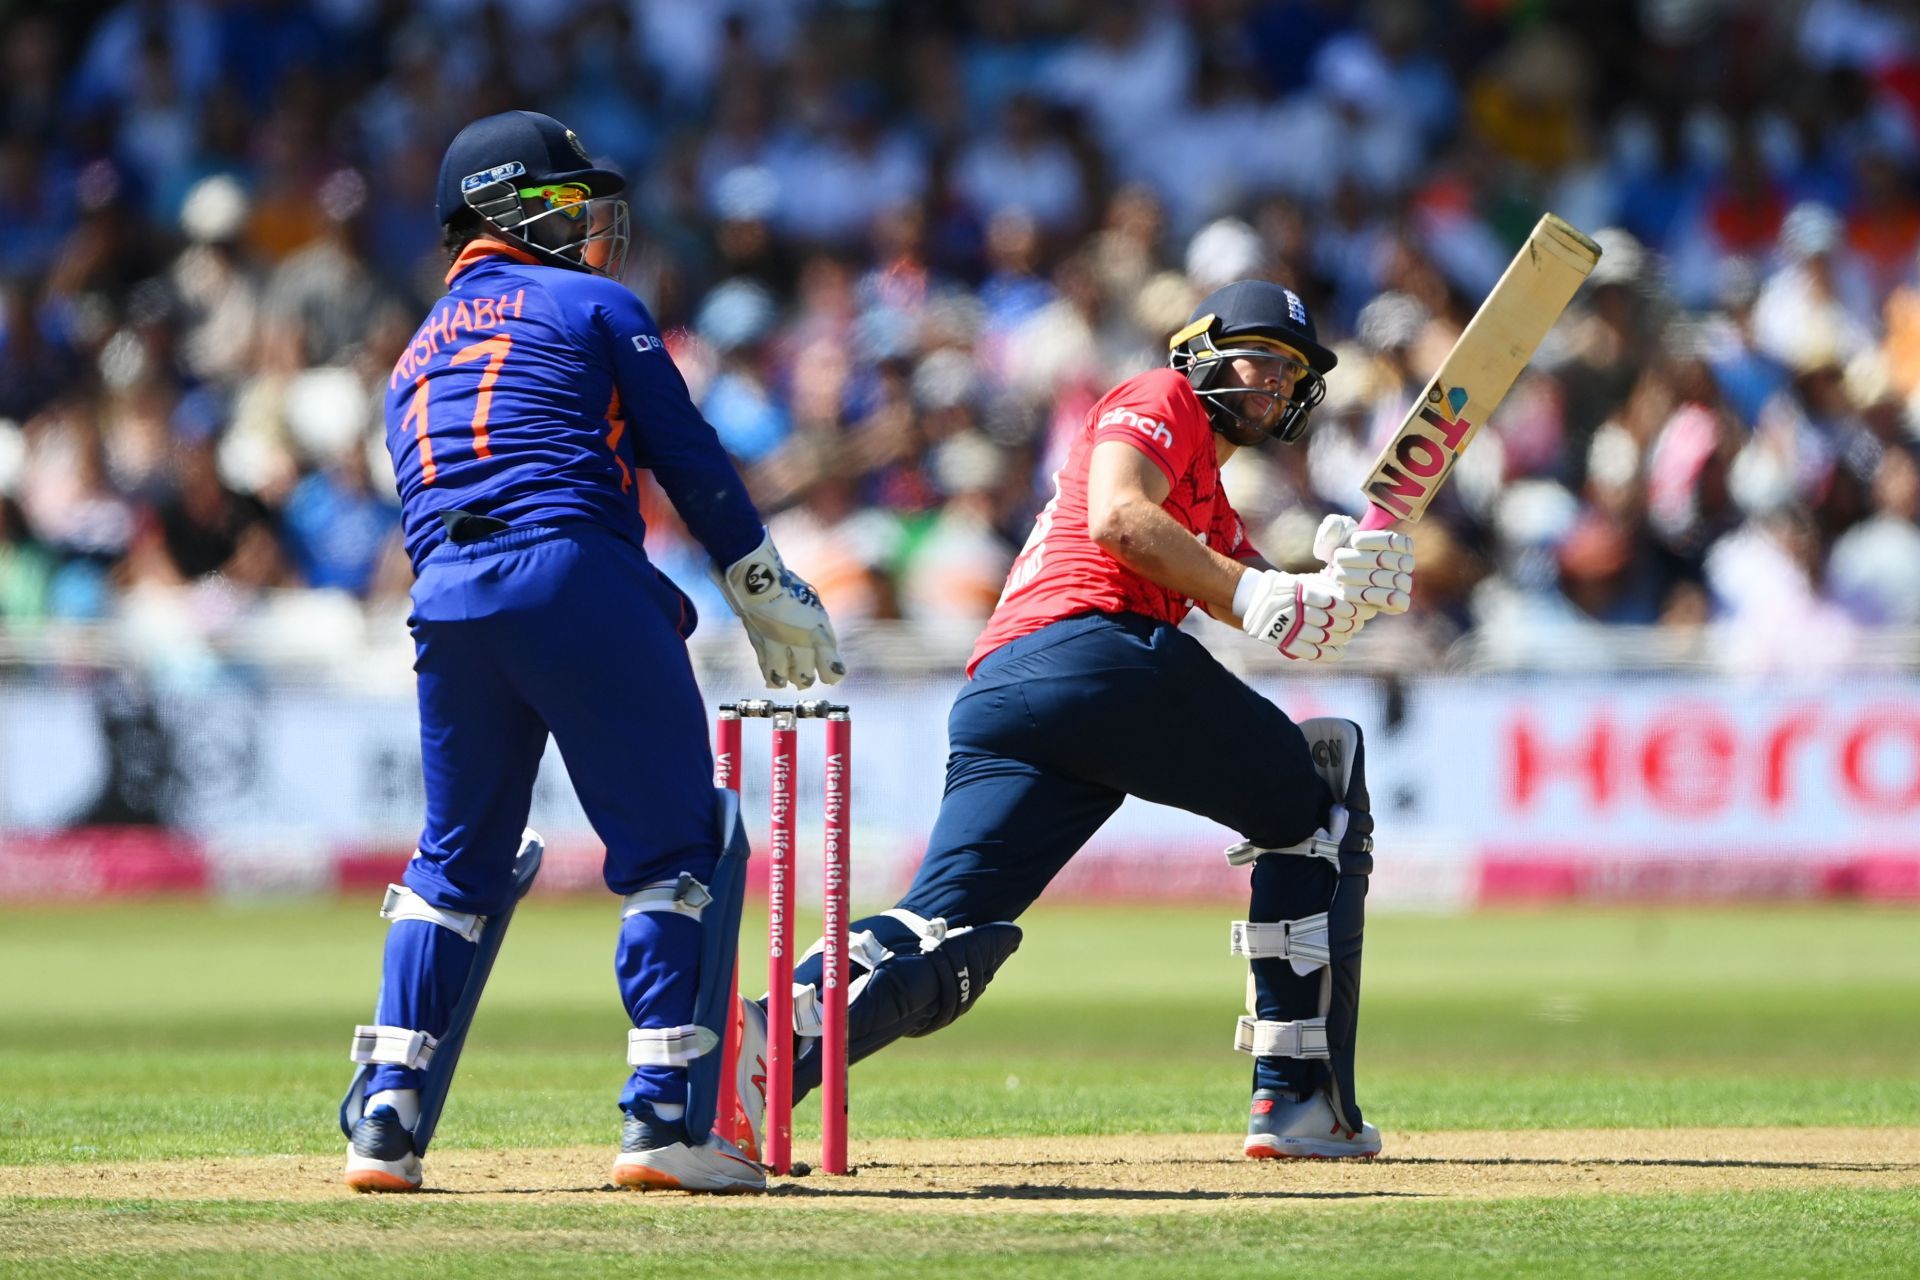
{"points": [[672, 440], [1143, 537], [713, 503]]}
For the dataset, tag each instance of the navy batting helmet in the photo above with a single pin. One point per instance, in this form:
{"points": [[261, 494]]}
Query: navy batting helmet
{"points": [[1256, 319], [530, 180]]}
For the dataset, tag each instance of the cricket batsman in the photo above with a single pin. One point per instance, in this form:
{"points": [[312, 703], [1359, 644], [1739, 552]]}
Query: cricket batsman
{"points": [[1083, 690], [519, 419]]}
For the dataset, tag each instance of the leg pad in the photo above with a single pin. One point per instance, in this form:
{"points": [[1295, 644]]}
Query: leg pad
{"points": [[920, 976], [402, 903], [1314, 1020], [718, 906]]}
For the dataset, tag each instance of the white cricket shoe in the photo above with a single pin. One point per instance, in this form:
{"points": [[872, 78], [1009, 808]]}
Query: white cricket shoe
{"points": [[380, 1156], [655, 1156], [1279, 1128], [656, 1153]]}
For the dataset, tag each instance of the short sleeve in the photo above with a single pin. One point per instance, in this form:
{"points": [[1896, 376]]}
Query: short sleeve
{"points": [[1144, 412]]}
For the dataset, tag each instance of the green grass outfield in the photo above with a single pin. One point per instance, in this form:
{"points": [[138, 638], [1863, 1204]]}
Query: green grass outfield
{"points": [[174, 1031]]}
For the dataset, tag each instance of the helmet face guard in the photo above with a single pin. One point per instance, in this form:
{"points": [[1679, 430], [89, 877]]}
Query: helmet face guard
{"points": [[560, 222], [1195, 353]]}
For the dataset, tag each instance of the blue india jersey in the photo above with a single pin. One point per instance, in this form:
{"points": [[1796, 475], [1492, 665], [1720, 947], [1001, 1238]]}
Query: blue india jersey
{"points": [[536, 395]]}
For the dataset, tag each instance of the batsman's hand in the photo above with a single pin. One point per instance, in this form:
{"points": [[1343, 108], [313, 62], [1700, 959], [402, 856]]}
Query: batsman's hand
{"points": [[1305, 618], [791, 633], [1373, 567]]}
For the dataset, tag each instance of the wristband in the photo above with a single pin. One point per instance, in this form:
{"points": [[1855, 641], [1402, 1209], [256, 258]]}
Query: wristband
{"points": [[1244, 592]]}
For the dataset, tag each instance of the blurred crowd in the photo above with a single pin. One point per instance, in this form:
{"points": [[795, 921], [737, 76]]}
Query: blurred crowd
{"points": [[899, 247]]}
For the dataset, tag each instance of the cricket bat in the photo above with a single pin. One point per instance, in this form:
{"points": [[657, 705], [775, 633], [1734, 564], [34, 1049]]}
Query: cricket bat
{"points": [[1478, 372]]}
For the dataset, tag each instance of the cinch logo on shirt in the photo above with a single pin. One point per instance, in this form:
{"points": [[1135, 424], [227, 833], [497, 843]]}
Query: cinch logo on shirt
{"points": [[1152, 428], [645, 342]]}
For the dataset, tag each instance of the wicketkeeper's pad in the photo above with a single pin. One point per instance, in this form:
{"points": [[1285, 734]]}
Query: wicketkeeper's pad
{"points": [[405, 1047]]}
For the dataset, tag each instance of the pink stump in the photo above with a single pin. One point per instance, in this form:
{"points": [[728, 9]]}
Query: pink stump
{"points": [[780, 886], [838, 850]]}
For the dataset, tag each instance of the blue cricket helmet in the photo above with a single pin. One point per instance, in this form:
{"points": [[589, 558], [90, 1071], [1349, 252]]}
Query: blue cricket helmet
{"points": [[1243, 310], [1268, 310], [522, 147]]}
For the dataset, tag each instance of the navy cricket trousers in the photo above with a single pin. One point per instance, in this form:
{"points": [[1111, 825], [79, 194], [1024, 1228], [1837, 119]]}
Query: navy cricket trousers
{"points": [[1057, 728]]}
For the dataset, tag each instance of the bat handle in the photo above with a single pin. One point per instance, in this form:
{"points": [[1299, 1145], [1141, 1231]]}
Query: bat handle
{"points": [[1377, 517]]}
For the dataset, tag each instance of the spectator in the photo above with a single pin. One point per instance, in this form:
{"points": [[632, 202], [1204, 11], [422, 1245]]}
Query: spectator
{"points": [[1013, 290], [955, 569], [841, 548], [36, 364], [185, 30], [1025, 166], [1821, 296], [737, 322], [999, 58], [338, 529], [321, 301], [1764, 581], [202, 527], [1883, 228], [834, 185], [1875, 565], [741, 141], [26, 570], [71, 504], [1132, 69], [1206, 159]]}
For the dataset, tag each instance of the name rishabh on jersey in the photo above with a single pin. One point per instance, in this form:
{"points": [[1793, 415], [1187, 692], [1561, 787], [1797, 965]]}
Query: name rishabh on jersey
{"points": [[516, 400]]}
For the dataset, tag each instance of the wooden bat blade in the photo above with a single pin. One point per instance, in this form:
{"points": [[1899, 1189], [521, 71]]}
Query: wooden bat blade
{"points": [[1477, 374]]}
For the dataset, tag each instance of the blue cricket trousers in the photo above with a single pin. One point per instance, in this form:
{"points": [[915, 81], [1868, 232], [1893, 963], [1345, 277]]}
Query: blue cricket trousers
{"points": [[570, 630]]}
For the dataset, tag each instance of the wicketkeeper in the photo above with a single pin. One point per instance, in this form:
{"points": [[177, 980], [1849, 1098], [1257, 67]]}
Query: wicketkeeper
{"points": [[519, 419], [1077, 693]]}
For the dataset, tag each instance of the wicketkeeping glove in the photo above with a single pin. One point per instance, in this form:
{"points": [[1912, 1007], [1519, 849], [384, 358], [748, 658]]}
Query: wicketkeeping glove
{"points": [[791, 633], [1306, 618], [1374, 568]]}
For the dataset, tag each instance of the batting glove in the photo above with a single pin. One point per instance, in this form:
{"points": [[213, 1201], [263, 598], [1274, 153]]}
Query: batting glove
{"points": [[791, 633], [1305, 618], [1373, 567]]}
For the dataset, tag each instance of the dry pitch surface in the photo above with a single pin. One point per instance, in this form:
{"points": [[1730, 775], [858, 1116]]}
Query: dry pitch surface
{"points": [[1112, 1175]]}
